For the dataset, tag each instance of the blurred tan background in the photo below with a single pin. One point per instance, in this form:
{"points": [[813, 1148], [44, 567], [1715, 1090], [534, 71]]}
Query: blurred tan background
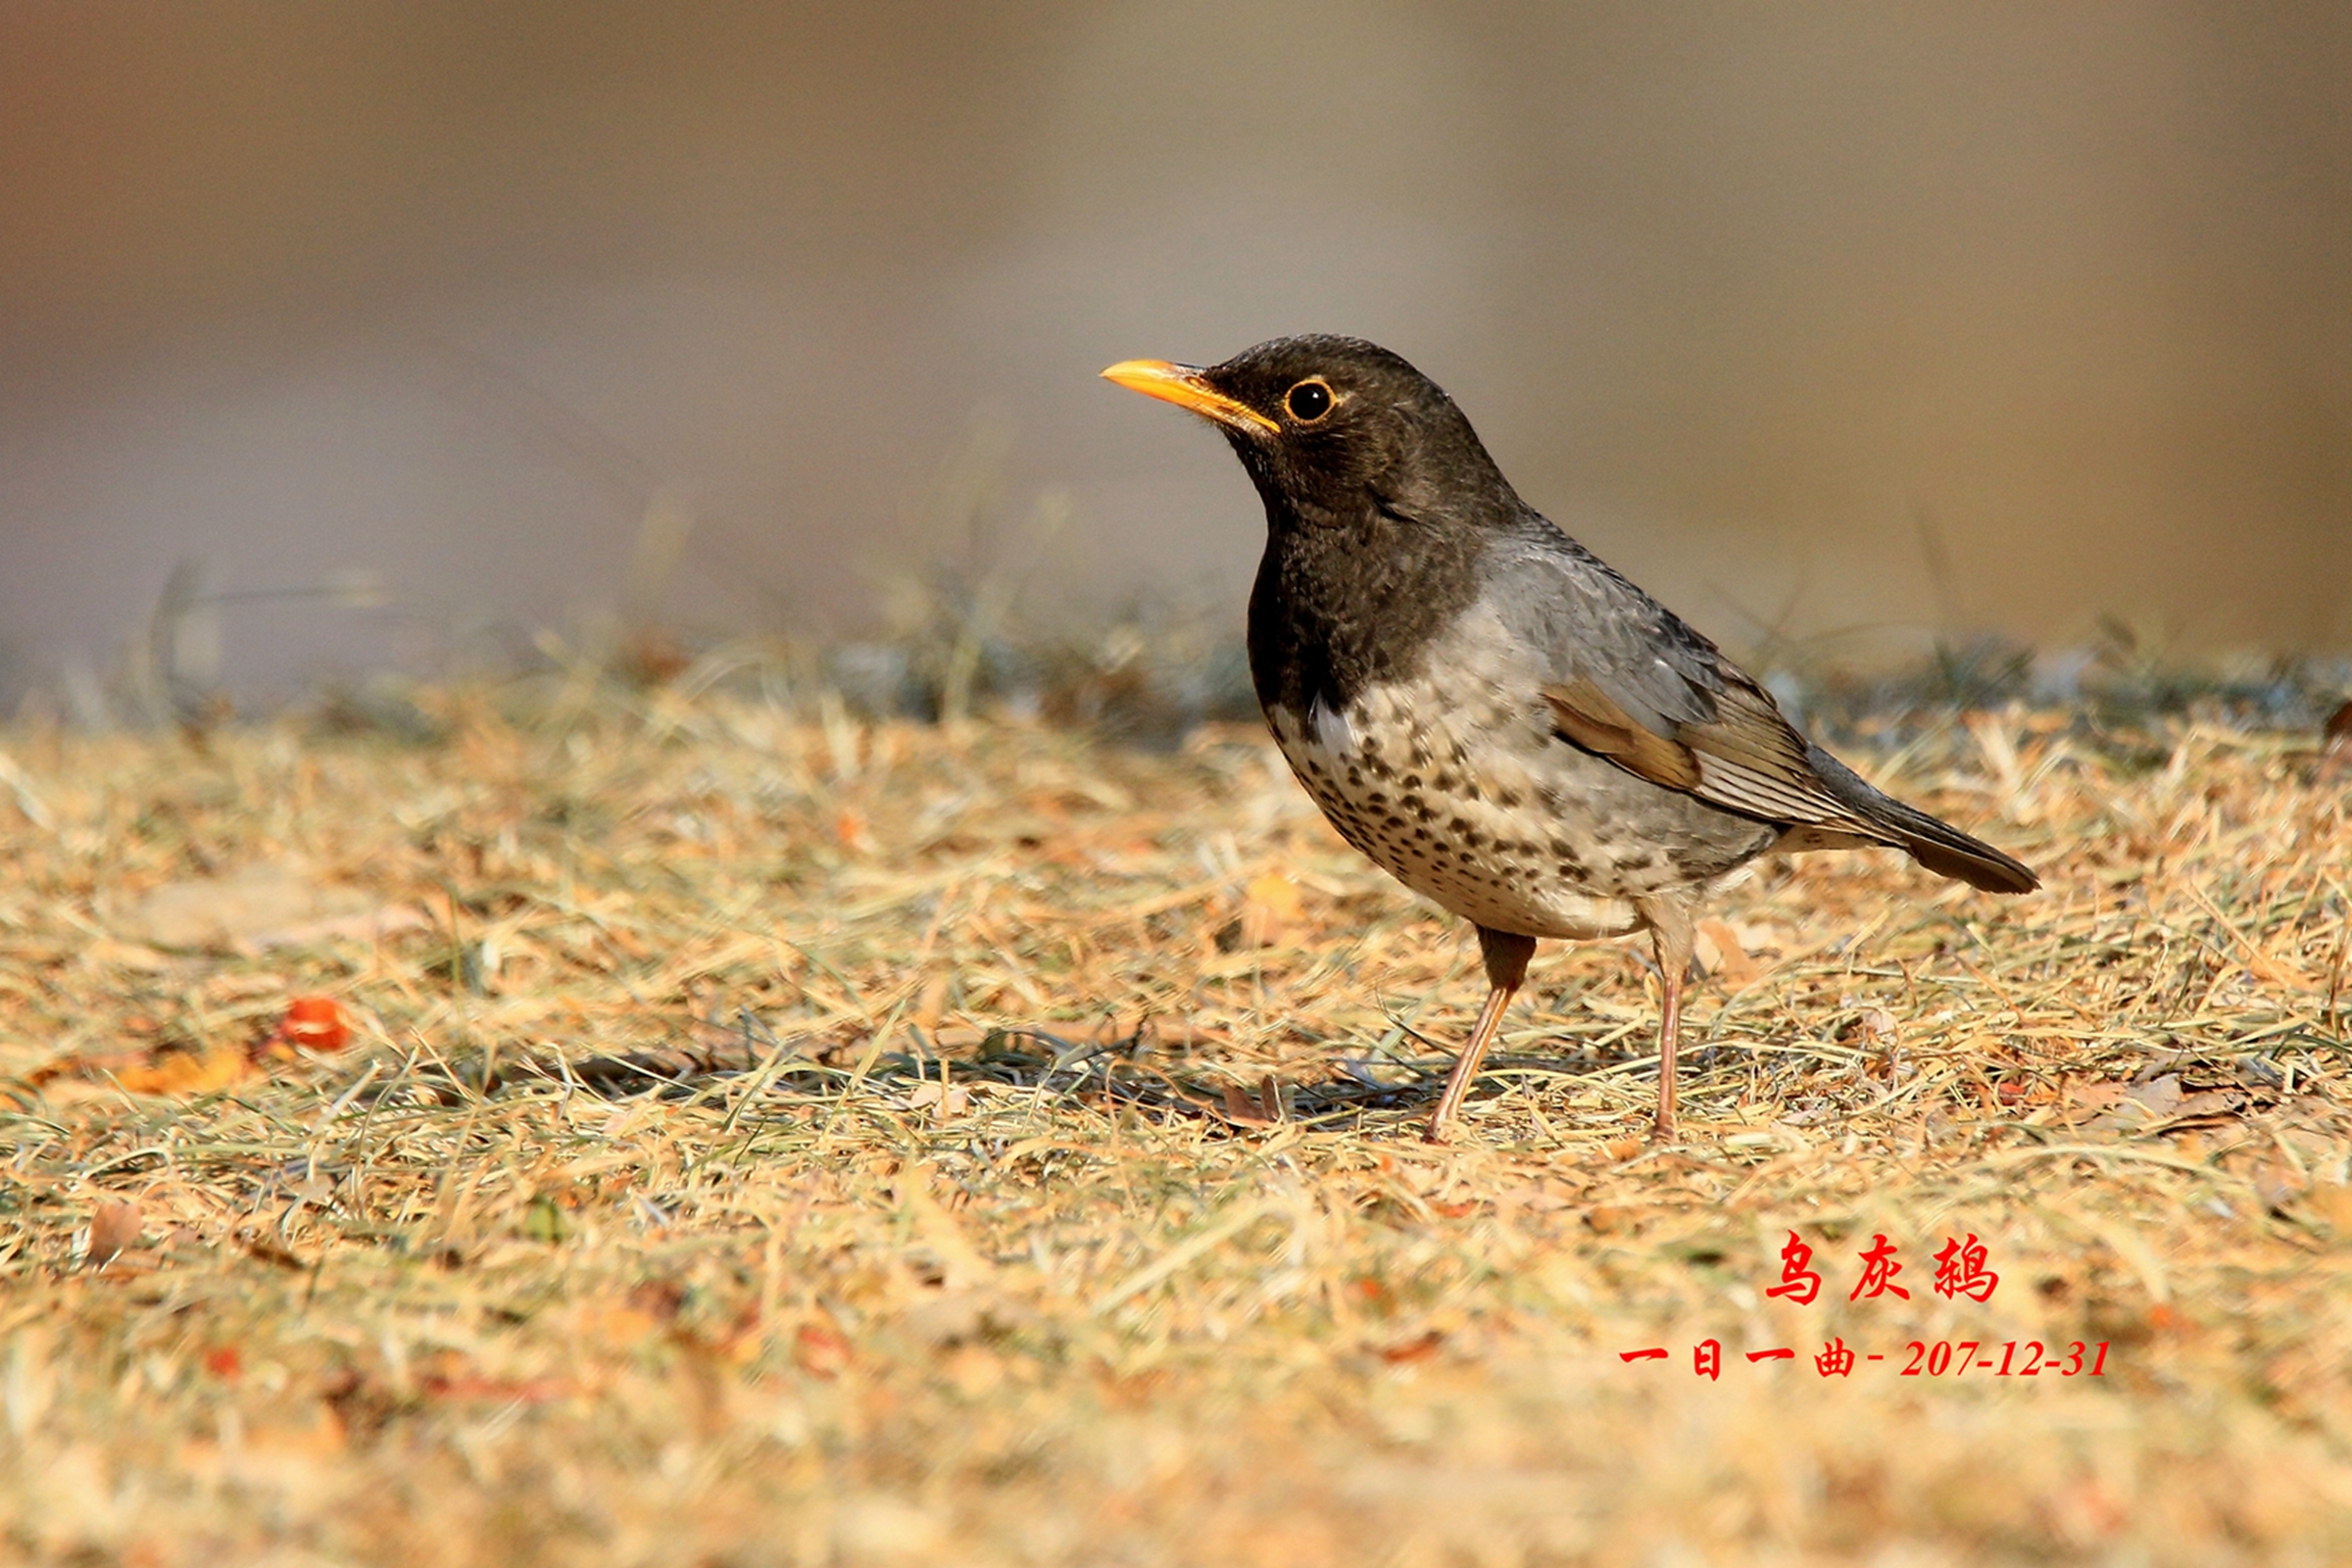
{"points": [[1854, 322]]}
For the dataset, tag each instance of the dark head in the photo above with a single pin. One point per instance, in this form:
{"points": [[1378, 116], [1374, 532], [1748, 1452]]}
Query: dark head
{"points": [[1333, 429]]}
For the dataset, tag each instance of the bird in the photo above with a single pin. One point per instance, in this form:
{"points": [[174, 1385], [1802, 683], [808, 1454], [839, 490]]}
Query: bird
{"points": [[1487, 710]]}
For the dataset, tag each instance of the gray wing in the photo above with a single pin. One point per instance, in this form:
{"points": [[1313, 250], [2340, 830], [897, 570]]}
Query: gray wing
{"points": [[1627, 680]]}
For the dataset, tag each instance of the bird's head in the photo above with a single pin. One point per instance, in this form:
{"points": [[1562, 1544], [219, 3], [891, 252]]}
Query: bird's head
{"points": [[1334, 429]]}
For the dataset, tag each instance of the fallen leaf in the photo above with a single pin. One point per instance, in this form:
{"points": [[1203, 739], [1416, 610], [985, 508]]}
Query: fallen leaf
{"points": [[316, 1189], [950, 1101], [1723, 955], [2277, 1184], [1418, 1349], [1262, 1109], [1271, 911], [2159, 1100], [2209, 1102], [1763, 939], [266, 1251], [819, 1350], [2159, 1096], [114, 1228], [188, 1072], [316, 1024]]}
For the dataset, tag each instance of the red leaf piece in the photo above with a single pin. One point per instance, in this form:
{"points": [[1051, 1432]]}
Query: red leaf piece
{"points": [[316, 1024]]}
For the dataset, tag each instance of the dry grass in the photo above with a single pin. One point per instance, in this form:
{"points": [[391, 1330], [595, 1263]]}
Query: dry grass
{"points": [[781, 1143]]}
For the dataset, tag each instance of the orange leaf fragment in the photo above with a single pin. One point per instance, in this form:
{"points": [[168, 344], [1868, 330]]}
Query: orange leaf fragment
{"points": [[316, 1024], [1419, 1348], [820, 1351], [187, 1072], [1270, 911]]}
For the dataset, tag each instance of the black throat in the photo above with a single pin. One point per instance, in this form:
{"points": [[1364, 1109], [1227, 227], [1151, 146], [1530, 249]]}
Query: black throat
{"points": [[1346, 602]]}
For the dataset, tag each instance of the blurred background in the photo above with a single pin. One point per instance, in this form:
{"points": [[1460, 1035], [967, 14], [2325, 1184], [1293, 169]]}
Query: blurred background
{"points": [[1843, 327]]}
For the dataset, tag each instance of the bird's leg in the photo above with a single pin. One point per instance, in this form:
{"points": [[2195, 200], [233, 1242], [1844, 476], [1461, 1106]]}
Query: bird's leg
{"points": [[1672, 935], [1507, 958], [1465, 1066]]}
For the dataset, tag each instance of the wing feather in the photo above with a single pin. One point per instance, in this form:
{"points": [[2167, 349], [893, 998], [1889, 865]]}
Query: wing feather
{"points": [[1750, 761], [1627, 680]]}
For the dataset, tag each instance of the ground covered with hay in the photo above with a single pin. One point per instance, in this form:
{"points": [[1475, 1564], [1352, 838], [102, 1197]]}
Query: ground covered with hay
{"points": [[660, 1130]]}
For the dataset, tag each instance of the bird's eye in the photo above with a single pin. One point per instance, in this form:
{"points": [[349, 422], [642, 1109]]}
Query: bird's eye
{"points": [[1309, 400]]}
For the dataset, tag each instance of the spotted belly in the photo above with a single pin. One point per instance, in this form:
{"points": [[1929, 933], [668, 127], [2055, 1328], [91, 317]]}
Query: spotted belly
{"points": [[1474, 804]]}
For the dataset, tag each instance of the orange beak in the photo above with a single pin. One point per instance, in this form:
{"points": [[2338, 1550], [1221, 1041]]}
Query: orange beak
{"points": [[1181, 384]]}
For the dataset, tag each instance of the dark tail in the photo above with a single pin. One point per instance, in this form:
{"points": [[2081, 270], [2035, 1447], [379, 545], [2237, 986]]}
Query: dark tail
{"points": [[1936, 845]]}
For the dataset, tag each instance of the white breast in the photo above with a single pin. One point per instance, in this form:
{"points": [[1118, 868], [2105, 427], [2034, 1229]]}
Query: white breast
{"points": [[1435, 788]]}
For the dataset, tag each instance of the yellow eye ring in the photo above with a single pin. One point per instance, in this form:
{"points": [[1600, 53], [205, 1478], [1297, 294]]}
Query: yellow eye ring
{"points": [[1310, 399]]}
